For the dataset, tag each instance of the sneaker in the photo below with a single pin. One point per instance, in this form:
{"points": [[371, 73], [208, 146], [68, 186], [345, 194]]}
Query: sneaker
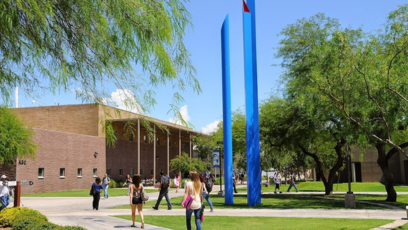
{"points": [[155, 208], [280, 192], [274, 192], [169, 208], [297, 191]]}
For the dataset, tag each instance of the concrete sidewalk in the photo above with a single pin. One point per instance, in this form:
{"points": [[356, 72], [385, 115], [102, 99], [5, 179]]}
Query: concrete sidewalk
{"points": [[78, 211]]}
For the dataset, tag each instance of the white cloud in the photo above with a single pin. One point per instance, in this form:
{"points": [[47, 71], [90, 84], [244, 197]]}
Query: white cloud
{"points": [[125, 99], [210, 127], [184, 113]]}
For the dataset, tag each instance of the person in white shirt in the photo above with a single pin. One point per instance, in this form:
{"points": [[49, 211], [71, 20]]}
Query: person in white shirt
{"points": [[4, 192], [278, 179]]}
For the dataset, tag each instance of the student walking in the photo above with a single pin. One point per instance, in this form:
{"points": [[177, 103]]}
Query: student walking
{"points": [[193, 189], [105, 183], [164, 190], [278, 179], [4, 192], [136, 200], [234, 182], [292, 182], [128, 182], [177, 182], [97, 194], [206, 191]]}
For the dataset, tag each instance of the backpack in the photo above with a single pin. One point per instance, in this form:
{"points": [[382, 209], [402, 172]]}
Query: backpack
{"points": [[208, 187], [165, 183], [92, 191]]}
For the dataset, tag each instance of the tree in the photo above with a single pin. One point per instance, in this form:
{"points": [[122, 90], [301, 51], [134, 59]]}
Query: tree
{"points": [[186, 164], [287, 129], [136, 45], [16, 140], [357, 74]]}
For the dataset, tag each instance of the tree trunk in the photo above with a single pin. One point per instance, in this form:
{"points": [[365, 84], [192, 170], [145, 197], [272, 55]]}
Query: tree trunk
{"points": [[389, 178]]}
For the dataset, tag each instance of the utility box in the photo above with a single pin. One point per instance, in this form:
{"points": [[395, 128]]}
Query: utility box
{"points": [[350, 200]]}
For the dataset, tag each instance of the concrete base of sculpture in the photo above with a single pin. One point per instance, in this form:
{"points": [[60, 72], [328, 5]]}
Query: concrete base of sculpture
{"points": [[350, 200]]}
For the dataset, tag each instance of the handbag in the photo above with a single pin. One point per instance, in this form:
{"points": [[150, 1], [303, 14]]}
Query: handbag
{"points": [[188, 202], [144, 195], [92, 191], [201, 213]]}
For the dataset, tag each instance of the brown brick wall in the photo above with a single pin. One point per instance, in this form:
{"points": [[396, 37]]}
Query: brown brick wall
{"points": [[10, 172], [63, 150], [81, 119]]}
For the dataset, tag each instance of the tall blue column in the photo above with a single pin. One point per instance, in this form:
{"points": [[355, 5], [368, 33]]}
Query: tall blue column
{"points": [[251, 106], [226, 99]]}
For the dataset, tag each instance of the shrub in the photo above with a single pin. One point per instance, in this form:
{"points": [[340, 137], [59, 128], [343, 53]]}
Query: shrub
{"points": [[41, 225], [113, 184], [22, 222], [9, 215]]}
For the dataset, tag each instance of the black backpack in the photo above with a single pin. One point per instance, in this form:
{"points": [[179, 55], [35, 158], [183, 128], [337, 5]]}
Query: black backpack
{"points": [[208, 187], [165, 184], [92, 191]]}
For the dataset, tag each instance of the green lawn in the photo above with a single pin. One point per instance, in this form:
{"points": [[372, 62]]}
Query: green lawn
{"points": [[319, 187], [403, 227], [272, 202], [245, 223], [82, 193], [402, 200]]}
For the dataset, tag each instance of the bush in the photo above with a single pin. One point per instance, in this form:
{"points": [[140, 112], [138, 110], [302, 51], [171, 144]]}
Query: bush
{"points": [[9, 215], [42, 225], [113, 184], [22, 222]]}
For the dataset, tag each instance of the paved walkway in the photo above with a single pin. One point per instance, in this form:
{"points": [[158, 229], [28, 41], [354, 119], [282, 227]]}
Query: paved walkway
{"points": [[78, 211]]}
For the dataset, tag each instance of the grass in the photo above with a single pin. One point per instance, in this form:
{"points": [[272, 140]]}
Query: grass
{"points": [[403, 227], [228, 222], [272, 202], [402, 200], [83, 193], [343, 187]]}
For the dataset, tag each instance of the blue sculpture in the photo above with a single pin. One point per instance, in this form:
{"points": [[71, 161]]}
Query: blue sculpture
{"points": [[226, 97], [251, 105]]}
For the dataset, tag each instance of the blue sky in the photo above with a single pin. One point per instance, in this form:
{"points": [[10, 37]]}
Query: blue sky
{"points": [[204, 44]]}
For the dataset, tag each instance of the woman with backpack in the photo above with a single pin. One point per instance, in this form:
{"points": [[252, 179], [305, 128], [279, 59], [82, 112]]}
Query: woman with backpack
{"points": [[206, 191], [97, 186], [193, 189], [136, 200]]}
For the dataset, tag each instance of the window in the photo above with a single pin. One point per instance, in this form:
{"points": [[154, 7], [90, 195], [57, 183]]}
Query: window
{"points": [[95, 172], [169, 143], [115, 133], [131, 173], [158, 141], [40, 172], [151, 171], [62, 172], [79, 174], [141, 171], [145, 139], [120, 172], [131, 137], [108, 172]]}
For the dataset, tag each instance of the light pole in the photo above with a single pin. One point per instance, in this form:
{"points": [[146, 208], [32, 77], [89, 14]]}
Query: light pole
{"points": [[350, 199], [35, 102]]}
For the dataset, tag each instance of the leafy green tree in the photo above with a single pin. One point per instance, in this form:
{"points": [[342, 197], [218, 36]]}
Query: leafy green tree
{"points": [[186, 164], [136, 45], [287, 129], [360, 75], [16, 140]]}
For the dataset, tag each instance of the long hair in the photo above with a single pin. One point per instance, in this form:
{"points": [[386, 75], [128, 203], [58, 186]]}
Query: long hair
{"points": [[136, 180], [97, 180], [177, 175], [202, 177], [196, 180]]}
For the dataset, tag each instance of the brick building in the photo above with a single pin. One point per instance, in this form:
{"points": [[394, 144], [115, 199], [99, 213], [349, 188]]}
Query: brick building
{"points": [[72, 147]]}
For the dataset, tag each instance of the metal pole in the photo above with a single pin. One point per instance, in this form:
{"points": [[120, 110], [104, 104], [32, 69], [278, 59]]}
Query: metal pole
{"points": [[348, 169]]}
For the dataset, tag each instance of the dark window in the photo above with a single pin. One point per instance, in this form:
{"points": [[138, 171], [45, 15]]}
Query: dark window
{"points": [[131, 137], [145, 139], [151, 171], [158, 141], [62, 172], [95, 172], [40, 172], [131, 173], [120, 172], [141, 171], [79, 174], [108, 172], [114, 133]]}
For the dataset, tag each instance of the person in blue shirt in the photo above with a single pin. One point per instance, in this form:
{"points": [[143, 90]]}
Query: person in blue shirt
{"points": [[97, 194]]}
